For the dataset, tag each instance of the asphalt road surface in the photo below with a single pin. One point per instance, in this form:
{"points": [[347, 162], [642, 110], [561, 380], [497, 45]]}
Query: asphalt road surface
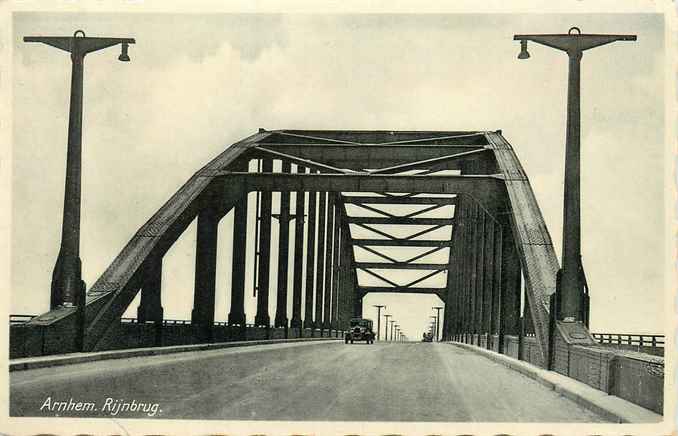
{"points": [[296, 381]]}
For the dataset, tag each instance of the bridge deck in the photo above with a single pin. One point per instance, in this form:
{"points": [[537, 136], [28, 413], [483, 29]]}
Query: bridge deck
{"points": [[329, 381]]}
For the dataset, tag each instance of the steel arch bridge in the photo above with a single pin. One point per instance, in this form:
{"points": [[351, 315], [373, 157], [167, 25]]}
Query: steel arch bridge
{"points": [[497, 238]]}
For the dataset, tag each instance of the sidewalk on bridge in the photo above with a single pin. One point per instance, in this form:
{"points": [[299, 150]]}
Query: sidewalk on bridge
{"points": [[73, 358], [608, 406]]}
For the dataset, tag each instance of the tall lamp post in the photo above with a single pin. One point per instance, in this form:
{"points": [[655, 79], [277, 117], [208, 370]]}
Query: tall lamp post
{"points": [[437, 309], [392, 324], [574, 43], [434, 323], [67, 287], [379, 307], [386, 327]]}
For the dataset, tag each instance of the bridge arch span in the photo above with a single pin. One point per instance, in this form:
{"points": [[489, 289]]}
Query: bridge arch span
{"points": [[497, 234]]}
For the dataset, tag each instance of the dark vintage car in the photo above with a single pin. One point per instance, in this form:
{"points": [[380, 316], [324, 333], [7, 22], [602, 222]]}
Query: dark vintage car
{"points": [[427, 337], [360, 330]]}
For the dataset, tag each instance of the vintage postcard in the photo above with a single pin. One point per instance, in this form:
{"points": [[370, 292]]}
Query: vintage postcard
{"points": [[333, 219]]}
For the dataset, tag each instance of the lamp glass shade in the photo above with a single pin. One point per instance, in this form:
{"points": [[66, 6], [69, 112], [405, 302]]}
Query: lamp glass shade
{"points": [[124, 57], [524, 54]]}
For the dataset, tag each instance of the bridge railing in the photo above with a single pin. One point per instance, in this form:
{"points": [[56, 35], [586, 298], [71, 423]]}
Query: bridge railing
{"points": [[130, 333], [164, 321], [652, 344]]}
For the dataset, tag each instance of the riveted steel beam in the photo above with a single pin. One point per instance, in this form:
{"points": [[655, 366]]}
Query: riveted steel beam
{"points": [[359, 157], [205, 268], [400, 265], [237, 314], [283, 259], [310, 259], [488, 190], [442, 162], [321, 258], [262, 317], [400, 243], [299, 257], [401, 220], [396, 200], [401, 290]]}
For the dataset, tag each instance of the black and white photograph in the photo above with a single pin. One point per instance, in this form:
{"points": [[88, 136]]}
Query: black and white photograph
{"points": [[325, 219]]}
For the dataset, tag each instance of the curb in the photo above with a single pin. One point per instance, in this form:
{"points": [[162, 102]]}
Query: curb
{"points": [[71, 359], [607, 406]]}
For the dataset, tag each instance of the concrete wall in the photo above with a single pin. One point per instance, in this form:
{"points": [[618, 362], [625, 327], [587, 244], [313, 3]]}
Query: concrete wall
{"points": [[494, 343], [511, 346], [635, 377], [638, 380], [532, 352], [42, 340]]}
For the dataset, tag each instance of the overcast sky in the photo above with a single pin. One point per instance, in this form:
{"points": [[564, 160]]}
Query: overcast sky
{"points": [[197, 83]]}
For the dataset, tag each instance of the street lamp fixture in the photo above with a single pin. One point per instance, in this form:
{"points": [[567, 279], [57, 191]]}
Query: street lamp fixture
{"points": [[386, 327], [68, 288], [570, 291], [67, 283], [124, 57], [379, 307], [524, 54], [437, 309]]}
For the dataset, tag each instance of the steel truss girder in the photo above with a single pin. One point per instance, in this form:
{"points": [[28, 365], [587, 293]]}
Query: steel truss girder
{"points": [[400, 220], [436, 163], [378, 137], [395, 200], [401, 265], [487, 189], [359, 157], [260, 152], [400, 243], [441, 292], [213, 186]]}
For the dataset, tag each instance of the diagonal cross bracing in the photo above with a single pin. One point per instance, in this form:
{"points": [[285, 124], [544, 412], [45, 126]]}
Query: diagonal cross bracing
{"points": [[421, 279], [401, 243], [374, 209], [401, 265], [428, 163], [359, 157], [485, 188], [442, 201], [423, 211], [440, 138], [423, 232], [380, 277], [422, 255], [218, 186], [383, 256], [301, 161], [367, 289], [401, 220], [377, 231], [319, 138]]}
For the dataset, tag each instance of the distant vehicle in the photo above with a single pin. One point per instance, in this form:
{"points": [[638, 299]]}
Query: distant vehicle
{"points": [[427, 337], [360, 330]]}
